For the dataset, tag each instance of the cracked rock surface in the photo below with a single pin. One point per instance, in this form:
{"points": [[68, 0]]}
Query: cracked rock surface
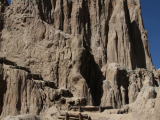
{"points": [[75, 52]]}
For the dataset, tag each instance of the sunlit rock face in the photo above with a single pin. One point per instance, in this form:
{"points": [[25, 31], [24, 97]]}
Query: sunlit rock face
{"points": [[96, 50], [112, 30]]}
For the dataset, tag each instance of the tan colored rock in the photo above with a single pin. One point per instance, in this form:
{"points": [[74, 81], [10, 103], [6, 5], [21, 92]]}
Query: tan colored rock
{"points": [[24, 117], [143, 107], [69, 20], [122, 85], [156, 110], [74, 38], [83, 52]]}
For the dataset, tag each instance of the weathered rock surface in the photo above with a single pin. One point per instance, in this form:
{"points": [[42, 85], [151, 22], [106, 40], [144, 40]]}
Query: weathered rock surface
{"points": [[65, 53], [21, 94], [158, 71], [24, 117], [122, 85]]}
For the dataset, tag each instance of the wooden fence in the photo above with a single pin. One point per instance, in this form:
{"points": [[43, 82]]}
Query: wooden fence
{"points": [[91, 108], [74, 116]]}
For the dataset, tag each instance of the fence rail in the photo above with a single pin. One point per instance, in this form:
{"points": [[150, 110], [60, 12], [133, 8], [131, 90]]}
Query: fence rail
{"points": [[74, 116], [92, 108]]}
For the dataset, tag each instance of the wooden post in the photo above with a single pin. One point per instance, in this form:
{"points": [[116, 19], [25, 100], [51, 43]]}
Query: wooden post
{"points": [[89, 118], [66, 116], [74, 115], [100, 109], [80, 116], [79, 108], [91, 107]]}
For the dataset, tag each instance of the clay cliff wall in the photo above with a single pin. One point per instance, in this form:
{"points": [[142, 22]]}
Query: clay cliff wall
{"points": [[95, 49]]}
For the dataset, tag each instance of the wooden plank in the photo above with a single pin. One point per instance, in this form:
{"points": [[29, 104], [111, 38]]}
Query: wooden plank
{"points": [[66, 116], [89, 118], [91, 107], [74, 115], [80, 116], [100, 109], [63, 117], [79, 108], [85, 107]]}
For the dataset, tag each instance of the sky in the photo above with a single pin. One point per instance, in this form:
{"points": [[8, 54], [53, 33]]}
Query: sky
{"points": [[151, 20], [9, 1]]}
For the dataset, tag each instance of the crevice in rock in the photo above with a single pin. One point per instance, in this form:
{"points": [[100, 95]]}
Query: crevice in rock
{"points": [[117, 45], [70, 15], [62, 10], [91, 72], [128, 21], [44, 34], [123, 83], [86, 25], [138, 46], [41, 10], [138, 59], [3, 88], [54, 1], [49, 7], [70, 9], [18, 106], [57, 74], [100, 7]]}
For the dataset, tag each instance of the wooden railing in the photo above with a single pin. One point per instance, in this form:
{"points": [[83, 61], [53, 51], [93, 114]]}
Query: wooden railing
{"points": [[91, 108], [74, 116]]}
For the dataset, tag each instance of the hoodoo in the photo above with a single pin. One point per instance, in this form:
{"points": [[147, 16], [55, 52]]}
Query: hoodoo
{"points": [[92, 55]]}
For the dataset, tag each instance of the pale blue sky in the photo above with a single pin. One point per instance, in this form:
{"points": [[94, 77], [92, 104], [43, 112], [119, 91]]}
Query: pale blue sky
{"points": [[151, 19]]}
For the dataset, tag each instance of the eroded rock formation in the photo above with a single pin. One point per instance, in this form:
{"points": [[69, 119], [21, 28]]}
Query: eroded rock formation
{"points": [[122, 85], [70, 52]]}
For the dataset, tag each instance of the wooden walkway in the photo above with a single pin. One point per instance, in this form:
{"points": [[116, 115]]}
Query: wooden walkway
{"points": [[74, 116], [79, 116], [91, 108]]}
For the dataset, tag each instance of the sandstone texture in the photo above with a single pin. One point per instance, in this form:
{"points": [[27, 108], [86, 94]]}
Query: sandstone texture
{"points": [[55, 54]]}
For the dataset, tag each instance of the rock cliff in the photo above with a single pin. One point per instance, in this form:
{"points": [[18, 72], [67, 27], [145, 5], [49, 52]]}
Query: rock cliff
{"points": [[65, 53]]}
